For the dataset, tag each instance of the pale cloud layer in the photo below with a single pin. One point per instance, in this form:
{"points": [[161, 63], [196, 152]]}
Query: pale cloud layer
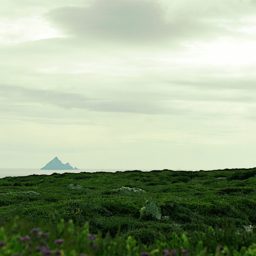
{"points": [[151, 20], [128, 83], [123, 20]]}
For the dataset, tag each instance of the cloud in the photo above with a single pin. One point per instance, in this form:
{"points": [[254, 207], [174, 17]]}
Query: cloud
{"points": [[119, 19], [76, 101], [178, 101], [66, 100], [16, 8], [149, 20]]}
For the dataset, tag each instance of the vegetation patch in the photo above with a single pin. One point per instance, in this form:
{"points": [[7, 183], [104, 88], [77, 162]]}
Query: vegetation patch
{"points": [[129, 213]]}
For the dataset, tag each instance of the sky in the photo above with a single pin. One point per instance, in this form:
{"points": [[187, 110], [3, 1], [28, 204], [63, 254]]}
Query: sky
{"points": [[129, 84]]}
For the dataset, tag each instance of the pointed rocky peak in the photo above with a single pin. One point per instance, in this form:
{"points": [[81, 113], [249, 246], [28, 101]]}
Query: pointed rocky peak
{"points": [[56, 164]]}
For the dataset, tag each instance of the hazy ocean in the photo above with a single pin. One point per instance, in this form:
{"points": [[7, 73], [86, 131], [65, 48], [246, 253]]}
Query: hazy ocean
{"points": [[6, 172]]}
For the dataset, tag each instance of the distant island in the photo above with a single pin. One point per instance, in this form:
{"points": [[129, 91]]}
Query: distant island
{"points": [[56, 164]]}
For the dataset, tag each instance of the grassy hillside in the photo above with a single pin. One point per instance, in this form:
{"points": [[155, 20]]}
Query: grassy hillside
{"points": [[159, 212]]}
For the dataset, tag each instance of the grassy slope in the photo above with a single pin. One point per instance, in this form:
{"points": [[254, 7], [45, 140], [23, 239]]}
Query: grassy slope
{"points": [[195, 202]]}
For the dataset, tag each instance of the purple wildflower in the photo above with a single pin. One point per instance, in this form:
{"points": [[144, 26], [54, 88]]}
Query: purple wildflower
{"points": [[2, 244], [45, 251], [144, 254], [25, 238], [59, 241], [91, 237], [166, 252]]}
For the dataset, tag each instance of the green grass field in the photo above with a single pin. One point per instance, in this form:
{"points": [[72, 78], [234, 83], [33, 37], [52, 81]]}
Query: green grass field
{"points": [[130, 213]]}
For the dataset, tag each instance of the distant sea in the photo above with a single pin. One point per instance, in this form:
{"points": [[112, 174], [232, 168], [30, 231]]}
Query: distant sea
{"points": [[8, 172]]}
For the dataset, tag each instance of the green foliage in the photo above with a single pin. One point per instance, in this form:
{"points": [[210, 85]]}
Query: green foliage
{"points": [[251, 251], [73, 240], [127, 213]]}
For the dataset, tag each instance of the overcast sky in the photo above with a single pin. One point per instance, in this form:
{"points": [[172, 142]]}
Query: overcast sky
{"points": [[129, 84]]}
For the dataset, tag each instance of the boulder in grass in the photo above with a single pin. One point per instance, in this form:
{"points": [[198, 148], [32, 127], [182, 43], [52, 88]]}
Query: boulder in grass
{"points": [[129, 190], [74, 187], [150, 211]]}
